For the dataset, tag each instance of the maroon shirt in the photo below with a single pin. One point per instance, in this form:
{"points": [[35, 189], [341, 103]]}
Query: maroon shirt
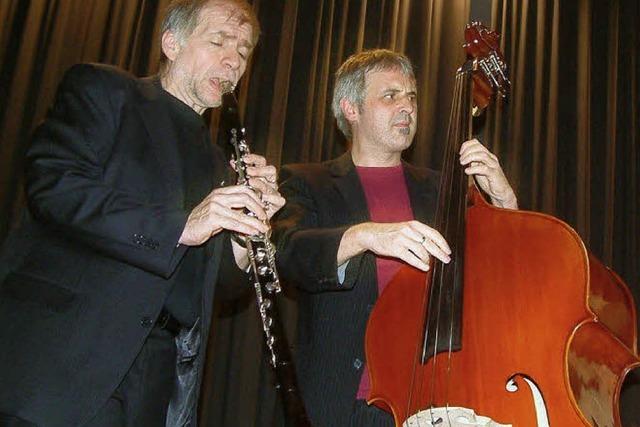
{"points": [[387, 198]]}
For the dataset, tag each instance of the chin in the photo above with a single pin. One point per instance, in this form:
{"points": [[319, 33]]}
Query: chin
{"points": [[404, 143], [407, 145], [213, 96], [211, 99]]}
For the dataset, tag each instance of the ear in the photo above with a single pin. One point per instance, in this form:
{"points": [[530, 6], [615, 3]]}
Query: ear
{"points": [[170, 45], [350, 110]]}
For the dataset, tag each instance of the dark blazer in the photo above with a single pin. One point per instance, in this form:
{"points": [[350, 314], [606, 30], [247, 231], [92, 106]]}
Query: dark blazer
{"points": [[85, 276], [323, 200]]}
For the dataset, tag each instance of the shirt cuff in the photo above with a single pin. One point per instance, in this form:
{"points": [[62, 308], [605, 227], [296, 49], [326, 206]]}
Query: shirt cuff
{"points": [[342, 270]]}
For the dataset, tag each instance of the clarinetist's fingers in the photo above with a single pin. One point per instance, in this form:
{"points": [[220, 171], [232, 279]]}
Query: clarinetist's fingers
{"points": [[263, 187], [222, 209], [236, 220], [238, 197], [236, 189], [273, 202], [268, 173], [253, 159]]}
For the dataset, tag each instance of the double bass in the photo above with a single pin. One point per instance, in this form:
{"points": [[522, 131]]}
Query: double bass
{"points": [[523, 328]]}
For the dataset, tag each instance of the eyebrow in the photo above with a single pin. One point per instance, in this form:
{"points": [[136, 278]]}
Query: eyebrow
{"points": [[394, 91]]}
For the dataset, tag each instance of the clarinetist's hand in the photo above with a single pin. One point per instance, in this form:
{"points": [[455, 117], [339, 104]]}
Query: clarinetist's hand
{"points": [[263, 179], [223, 209]]}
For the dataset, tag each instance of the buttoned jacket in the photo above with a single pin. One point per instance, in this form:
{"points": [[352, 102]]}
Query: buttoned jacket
{"points": [[85, 276]]}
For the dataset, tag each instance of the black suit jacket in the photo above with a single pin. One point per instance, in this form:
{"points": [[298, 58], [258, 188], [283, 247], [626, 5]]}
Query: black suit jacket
{"points": [[323, 200], [85, 276]]}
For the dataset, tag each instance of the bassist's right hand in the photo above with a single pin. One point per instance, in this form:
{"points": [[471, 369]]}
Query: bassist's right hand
{"points": [[411, 241]]}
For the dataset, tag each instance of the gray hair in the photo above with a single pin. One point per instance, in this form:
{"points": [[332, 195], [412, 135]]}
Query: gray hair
{"points": [[182, 17], [350, 79]]}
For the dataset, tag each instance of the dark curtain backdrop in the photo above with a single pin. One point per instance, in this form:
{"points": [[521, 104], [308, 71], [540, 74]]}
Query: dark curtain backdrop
{"points": [[567, 136]]}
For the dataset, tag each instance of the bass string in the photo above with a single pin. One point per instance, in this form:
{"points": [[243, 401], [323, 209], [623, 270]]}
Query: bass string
{"points": [[462, 185], [447, 206], [451, 229]]}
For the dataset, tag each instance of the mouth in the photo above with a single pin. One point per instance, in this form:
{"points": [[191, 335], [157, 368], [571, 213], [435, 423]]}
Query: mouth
{"points": [[221, 86], [403, 123], [404, 127]]}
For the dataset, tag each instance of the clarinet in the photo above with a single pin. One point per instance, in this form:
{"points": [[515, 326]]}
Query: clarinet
{"points": [[266, 283]]}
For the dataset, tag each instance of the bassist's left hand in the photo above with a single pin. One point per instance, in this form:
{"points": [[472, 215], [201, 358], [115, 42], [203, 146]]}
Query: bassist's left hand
{"points": [[484, 165]]}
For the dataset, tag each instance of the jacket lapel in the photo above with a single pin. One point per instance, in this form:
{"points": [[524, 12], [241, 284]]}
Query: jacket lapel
{"points": [[347, 182], [422, 193], [164, 138]]}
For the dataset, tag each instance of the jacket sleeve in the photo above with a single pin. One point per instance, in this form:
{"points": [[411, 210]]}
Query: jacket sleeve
{"points": [[65, 185], [306, 249], [232, 283]]}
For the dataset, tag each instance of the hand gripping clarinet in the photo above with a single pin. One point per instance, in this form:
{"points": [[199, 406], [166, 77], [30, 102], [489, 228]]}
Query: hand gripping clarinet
{"points": [[266, 283]]}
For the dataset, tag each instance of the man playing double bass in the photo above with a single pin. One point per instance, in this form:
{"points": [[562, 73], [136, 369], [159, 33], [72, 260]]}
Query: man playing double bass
{"points": [[361, 217]]}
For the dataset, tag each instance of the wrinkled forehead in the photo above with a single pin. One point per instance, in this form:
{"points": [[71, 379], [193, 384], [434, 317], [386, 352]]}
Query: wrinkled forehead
{"points": [[221, 15], [393, 77]]}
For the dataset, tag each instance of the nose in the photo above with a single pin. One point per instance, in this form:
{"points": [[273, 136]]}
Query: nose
{"points": [[406, 104], [231, 59]]}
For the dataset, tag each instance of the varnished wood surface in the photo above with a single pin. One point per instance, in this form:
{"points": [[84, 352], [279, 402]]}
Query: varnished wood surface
{"points": [[525, 312]]}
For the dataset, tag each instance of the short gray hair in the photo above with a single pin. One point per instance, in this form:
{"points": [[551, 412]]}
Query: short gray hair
{"points": [[350, 79], [182, 17]]}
